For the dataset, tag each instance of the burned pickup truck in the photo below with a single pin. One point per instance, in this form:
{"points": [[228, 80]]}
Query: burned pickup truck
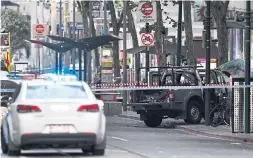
{"points": [[156, 104]]}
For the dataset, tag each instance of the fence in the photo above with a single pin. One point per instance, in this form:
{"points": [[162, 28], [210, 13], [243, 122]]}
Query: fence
{"points": [[237, 122]]}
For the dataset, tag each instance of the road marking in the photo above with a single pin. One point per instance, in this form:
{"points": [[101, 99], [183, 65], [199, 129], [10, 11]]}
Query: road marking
{"points": [[236, 143], [117, 138]]}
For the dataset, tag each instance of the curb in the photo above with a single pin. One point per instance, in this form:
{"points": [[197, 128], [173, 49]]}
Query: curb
{"points": [[219, 136], [130, 117]]}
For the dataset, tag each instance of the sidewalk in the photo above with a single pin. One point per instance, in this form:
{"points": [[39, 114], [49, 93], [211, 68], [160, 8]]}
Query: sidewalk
{"points": [[220, 132]]}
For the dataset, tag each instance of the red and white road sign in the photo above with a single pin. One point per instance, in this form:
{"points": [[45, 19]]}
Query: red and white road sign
{"points": [[39, 29], [147, 8], [146, 12], [147, 39]]}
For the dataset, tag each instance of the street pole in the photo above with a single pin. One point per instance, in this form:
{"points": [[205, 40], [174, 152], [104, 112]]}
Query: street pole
{"points": [[179, 33], [74, 37], [247, 70], [60, 34], [53, 28], [105, 18], [147, 54], [125, 55], [79, 58], [208, 38], [89, 62]]}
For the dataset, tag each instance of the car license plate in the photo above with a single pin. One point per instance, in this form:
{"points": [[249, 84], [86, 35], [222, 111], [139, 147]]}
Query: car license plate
{"points": [[59, 128]]}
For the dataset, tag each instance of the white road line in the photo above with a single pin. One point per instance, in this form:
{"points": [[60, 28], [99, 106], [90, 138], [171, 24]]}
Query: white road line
{"points": [[117, 138], [236, 143]]}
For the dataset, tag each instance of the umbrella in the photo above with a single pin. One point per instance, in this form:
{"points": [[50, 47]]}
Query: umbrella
{"points": [[58, 47], [89, 43], [235, 67], [59, 38], [237, 64]]}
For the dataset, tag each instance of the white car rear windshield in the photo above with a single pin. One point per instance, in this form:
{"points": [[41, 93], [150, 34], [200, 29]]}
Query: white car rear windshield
{"points": [[56, 92]]}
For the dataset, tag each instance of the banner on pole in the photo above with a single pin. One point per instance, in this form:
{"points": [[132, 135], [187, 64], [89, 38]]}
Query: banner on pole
{"points": [[146, 13]]}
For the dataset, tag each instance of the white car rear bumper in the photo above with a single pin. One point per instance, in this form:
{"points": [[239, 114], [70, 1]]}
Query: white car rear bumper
{"points": [[34, 129]]}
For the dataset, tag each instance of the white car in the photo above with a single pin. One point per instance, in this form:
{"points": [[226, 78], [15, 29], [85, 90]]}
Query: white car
{"points": [[55, 77], [54, 114]]}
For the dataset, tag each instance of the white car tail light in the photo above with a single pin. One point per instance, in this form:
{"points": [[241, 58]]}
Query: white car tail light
{"points": [[28, 108], [88, 108]]}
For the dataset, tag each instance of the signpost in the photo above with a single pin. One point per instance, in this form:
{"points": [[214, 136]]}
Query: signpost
{"points": [[40, 30], [146, 12], [147, 39]]}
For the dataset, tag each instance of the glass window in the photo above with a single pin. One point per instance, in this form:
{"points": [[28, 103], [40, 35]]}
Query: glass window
{"points": [[187, 79], [56, 92], [219, 77]]}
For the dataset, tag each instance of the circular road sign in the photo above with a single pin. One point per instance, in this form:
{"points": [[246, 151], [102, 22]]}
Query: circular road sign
{"points": [[146, 9], [147, 39], [39, 28]]}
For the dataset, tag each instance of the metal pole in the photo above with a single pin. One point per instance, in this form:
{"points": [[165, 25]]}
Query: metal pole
{"points": [[60, 34], [147, 63], [89, 62], [147, 55], [247, 70], [179, 33], [207, 92], [80, 59], [85, 59], [39, 56], [105, 18], [125, 55], [74, 37]]}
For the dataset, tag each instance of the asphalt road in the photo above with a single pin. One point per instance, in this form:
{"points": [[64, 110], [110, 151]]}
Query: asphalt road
{"points": [[132, 139]]}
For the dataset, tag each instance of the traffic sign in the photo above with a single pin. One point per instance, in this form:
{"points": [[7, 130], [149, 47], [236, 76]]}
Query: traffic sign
{"points": [[146, 12], [147, 39], [39, 30], [146, 9]]}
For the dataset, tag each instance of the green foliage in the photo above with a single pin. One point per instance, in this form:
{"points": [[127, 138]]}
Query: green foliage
{"points": [[20, 28], [118, 4]]}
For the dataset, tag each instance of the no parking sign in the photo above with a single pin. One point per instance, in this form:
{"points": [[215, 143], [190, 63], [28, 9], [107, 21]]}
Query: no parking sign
{"points": [[147, 39]]}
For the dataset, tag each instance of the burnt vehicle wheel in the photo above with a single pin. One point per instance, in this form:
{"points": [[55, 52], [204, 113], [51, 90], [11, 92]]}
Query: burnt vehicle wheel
{"points": [[194, 114], [153, 120]]}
